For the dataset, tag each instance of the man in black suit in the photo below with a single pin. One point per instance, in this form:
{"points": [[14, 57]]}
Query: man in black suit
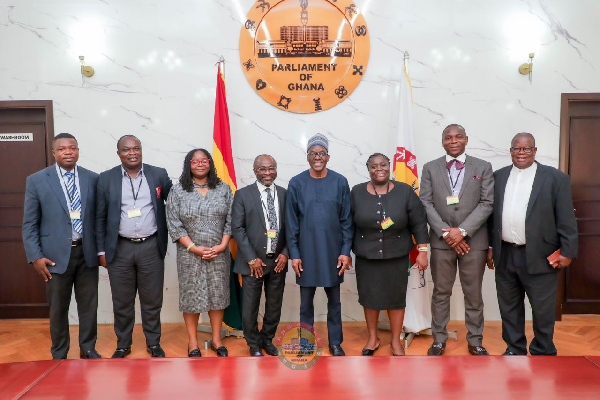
{"points": [[533, 217], [258, 226], [131, 233], [58, 234]]}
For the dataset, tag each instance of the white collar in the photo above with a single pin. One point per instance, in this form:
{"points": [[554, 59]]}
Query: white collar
{"points": [[61, 171], [531, 169], [262, 188], [462, 158]]}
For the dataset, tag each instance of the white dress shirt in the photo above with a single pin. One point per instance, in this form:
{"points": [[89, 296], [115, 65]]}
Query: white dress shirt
{"points": [[265, 207], [516, 199], [456, 176], [63, 183]]}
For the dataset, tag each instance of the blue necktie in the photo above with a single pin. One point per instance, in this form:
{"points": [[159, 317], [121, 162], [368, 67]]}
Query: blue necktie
{"points": [[75, 200]]}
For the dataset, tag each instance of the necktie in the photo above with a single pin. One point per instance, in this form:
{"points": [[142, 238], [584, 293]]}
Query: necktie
{"points": [[459, 164], [75, 200], [272, 217]]}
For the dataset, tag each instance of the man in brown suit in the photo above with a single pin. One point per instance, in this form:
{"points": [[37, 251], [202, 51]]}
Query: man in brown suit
{"points": [[458, 194]]}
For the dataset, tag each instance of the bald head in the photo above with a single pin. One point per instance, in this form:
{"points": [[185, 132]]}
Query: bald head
{"points": [[523, 135]]}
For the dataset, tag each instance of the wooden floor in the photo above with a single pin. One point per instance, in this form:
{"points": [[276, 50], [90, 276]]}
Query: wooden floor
{"points": [[29, 340]]}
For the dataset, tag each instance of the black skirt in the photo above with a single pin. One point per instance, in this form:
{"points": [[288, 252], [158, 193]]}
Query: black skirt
{"points": [[382, 283]]}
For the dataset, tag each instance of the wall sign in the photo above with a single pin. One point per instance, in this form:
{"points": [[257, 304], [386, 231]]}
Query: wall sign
{"points": [[16, 137], [304, 56]]}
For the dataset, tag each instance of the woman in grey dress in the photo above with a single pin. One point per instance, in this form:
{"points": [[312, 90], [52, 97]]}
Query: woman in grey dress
{"points": [[199, 221]]}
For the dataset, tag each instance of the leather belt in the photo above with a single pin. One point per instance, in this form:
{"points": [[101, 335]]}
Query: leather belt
{"points": [[513, 244], [138, 240], [76, 243]]}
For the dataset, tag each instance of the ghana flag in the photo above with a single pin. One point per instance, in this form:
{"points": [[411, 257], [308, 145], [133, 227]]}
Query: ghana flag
{"points": [[223, 160]]}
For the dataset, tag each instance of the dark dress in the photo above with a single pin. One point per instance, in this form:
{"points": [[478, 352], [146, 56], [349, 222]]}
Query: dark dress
{"points": [[382, 261]]}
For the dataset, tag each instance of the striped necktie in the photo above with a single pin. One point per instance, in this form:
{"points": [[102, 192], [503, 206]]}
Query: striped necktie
{"points": [[272, 217], [75, 200]]}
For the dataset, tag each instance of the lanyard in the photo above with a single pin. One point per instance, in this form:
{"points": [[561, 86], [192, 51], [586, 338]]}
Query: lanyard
{"points": [[382, 204], [135, 195], [457, 177], [265, 207], [67, 187]]}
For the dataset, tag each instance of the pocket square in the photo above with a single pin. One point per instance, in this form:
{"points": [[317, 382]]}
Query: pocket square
{"points": [[477, 177], [158, 192]]}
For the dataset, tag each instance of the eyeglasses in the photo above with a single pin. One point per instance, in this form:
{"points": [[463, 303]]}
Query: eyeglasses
{"points": [[264, 170], [197, 161], [321, 154], [526, 150]]}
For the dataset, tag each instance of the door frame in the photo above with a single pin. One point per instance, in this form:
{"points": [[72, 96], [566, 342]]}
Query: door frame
{"points": [[563, 165], [48, 107]]}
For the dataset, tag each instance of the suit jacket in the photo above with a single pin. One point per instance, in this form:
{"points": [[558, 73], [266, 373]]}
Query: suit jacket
{"points": [[108, 208], [250, 230], [549, 220], [47, 230], [476, 201]]}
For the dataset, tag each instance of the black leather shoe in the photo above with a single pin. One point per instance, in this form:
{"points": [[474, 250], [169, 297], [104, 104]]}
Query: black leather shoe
{"points": [[195, 353], [156, 351], [509, 353], [436, 349], [370, 352], [336, 350], [221, 351], [122, 352], [89, 354], [255, 352], [478, 351], [270, 348]]}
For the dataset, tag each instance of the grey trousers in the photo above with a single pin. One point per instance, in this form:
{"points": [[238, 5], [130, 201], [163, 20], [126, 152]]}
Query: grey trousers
{"points": [[471, 268], [137, 267], [58, 292]]}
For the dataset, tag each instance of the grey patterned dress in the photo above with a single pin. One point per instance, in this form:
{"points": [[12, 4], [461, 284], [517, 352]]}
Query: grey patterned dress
{"points": [[203, 284]]}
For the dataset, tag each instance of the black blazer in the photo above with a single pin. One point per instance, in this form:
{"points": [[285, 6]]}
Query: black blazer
{"points": [[250, 231], [47, 230], [108, 207], [549, 222], [403, 206]]}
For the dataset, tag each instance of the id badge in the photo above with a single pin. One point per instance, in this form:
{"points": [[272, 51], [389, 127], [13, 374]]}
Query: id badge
{"points": [[386, 223], [136, 212], [450, 200], [75, 214], [271, 233]]}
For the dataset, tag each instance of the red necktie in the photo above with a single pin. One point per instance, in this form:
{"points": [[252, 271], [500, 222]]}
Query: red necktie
{"points": [[459, 164]]}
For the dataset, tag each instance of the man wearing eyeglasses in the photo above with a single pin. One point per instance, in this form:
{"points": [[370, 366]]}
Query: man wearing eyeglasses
{"points": [[533, 218], [319, 236], [258, 227], [131, 235]]}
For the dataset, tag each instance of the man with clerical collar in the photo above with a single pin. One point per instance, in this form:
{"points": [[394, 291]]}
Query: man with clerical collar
{"points": [[258, 226], [533, 235], [319, 236], [131, 232], [58, 234], [457, 192]]}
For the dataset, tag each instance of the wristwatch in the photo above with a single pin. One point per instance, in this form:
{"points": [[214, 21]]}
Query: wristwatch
{"points": [[463, 232], [251, 262]]}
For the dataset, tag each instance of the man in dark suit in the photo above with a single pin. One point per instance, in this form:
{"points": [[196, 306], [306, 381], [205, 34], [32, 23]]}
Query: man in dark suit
{"points": [[58, 234], [533, 217], [131, 232], [457, 192], [258, 226]]}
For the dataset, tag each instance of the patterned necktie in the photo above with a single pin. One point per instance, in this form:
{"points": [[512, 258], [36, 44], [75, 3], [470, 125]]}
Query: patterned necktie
{"points": [[272, 217], [459, 164], [75, 200]]}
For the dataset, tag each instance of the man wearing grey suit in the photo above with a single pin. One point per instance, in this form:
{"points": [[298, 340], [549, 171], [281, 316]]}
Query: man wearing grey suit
{"points": [[458, 194], [258, 226], [58, 234]]}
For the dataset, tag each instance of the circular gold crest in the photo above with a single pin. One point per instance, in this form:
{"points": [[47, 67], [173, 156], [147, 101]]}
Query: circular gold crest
{"points": [[304, 56], [300, 346]]}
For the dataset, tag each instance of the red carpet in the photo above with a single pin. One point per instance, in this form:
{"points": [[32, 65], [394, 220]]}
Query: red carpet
{"points": [[412, 377]]}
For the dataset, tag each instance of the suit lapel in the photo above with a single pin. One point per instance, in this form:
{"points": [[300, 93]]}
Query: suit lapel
{"points": [[54, 183], [501, 182], [83, 188], [118, 185], [444, 174], [280, 197], [538, 182], [467, 172], [255, 195], [151, 179]]}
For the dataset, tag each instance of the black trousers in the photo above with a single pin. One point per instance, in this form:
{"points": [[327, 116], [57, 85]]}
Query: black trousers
{"points": [[58, 292], [252, 287], [334, 311], [137, 267], [512, 283]]}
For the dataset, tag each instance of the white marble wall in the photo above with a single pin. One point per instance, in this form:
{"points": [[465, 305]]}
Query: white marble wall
{"points": [[155, 78]]}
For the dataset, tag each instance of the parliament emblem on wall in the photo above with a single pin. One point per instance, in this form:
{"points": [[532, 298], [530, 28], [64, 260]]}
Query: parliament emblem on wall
{"points": [[304, 56]]}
